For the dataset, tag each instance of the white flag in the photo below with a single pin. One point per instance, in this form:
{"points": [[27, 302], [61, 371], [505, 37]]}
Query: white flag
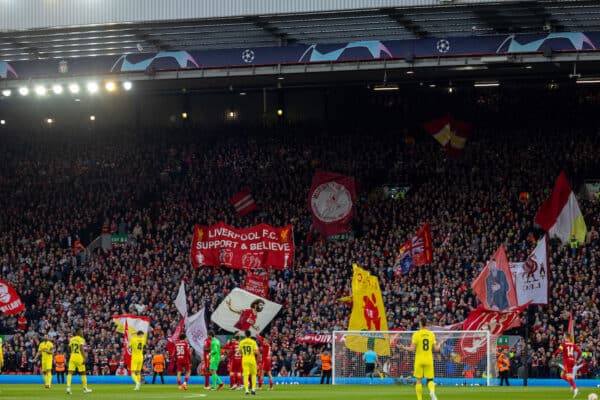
{"points": [[196, 331], [531, 276], [180, 300], [242, 310]]}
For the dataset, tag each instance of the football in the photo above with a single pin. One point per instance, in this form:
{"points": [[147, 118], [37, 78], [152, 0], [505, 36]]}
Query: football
{"points": [[592, 396]]}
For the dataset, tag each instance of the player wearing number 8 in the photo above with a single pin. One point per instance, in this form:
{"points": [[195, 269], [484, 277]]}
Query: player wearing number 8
{"points": [[249, 352], [77, 361], [423, 343]]}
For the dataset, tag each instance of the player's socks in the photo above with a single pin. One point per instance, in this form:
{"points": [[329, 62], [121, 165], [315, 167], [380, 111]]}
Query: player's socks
{"points": [[206, 380], [431, 386], [246, 382], [260, 382], [571, 382], [69, 378], [419, 390], [186, 380], [84, 381]]}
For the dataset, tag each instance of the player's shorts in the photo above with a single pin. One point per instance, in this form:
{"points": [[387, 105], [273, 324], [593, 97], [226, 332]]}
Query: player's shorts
{"points": [[183, 365], [266, 364], [76, 364], [214, 363], [236, 366], [249, 368], [137, 363], [423, 371], [47, 365], [369, 367]]}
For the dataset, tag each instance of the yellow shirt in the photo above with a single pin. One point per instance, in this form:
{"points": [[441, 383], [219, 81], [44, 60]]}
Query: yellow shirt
{"points": [[247, 347], [76, 345], [136, 344], [424, 340], [1, 349], [45, 349]]}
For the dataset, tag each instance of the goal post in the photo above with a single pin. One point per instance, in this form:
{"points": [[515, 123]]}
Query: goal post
{"points": [[465, 357]]}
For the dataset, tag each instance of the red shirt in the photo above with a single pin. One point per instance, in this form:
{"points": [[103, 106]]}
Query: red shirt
{"points": [[182, 351], [207, 342], [232, 347], [570, 354], [247, 320], [265, 349]]}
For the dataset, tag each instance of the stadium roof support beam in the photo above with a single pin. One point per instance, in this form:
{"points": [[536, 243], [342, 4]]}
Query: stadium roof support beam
{"points": [[397, 16], [283, 39]]}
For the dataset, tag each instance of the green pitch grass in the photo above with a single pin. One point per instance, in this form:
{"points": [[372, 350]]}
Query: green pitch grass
{"points": [[290, 392]]}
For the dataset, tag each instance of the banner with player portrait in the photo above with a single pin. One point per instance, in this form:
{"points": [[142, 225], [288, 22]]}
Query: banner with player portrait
{"points": [[531, 276], [259, 246], [368, 314], [494, 286], [242, 310], [133, 322], [10, 302]]}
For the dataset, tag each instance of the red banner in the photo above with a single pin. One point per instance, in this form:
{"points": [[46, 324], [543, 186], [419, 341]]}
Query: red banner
{"points": [[494, 286], [257, 282], [331, 202], [313, 338], [10, 302], [260, 246], [472, 349]]}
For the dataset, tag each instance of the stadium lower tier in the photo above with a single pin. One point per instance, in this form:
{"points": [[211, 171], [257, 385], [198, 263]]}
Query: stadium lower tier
{"points": [[199, 380]]}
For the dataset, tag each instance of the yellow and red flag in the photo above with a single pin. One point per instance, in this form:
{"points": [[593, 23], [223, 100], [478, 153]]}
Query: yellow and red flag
{"points": [[368, 314]]}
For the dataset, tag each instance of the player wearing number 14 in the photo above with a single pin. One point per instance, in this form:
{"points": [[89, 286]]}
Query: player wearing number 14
{"points": [[423, 343], [136, 345]]}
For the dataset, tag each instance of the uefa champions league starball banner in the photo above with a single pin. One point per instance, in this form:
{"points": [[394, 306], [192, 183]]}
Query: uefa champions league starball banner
{"points": [[260, 246], [242, 311]]}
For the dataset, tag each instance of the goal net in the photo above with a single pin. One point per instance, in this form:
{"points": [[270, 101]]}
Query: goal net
{"points": [[465, 357]]}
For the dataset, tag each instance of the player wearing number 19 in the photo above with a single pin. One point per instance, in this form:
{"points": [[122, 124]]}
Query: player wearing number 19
{"points": [[136, 345], [249, 352], [77, 361], [423, 343]]}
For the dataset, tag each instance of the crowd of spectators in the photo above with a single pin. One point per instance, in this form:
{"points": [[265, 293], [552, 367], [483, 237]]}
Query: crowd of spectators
{"points": [[59, 190]]}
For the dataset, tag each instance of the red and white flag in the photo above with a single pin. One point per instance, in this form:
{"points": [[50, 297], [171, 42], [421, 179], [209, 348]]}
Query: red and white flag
{"points": [[494, 286], [175, 336], [126, 349], [470, 348], [531, 277], [10, 302], [243, 202], [560, 214], [331, 202]]}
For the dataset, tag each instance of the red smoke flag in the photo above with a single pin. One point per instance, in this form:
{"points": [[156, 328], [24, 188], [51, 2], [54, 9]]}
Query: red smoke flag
{"points": [[494, 286], [571, 328], [470, 348], [331, 202], [10, 302], [451, 133], [126, 350], [243, 202]]}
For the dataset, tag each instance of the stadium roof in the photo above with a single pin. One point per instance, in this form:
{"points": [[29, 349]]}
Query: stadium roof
{"points": [[447, 19]]}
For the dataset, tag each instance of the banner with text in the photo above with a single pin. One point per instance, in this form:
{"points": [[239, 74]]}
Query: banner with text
{"points": [[257, 282], [259, 246]]}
